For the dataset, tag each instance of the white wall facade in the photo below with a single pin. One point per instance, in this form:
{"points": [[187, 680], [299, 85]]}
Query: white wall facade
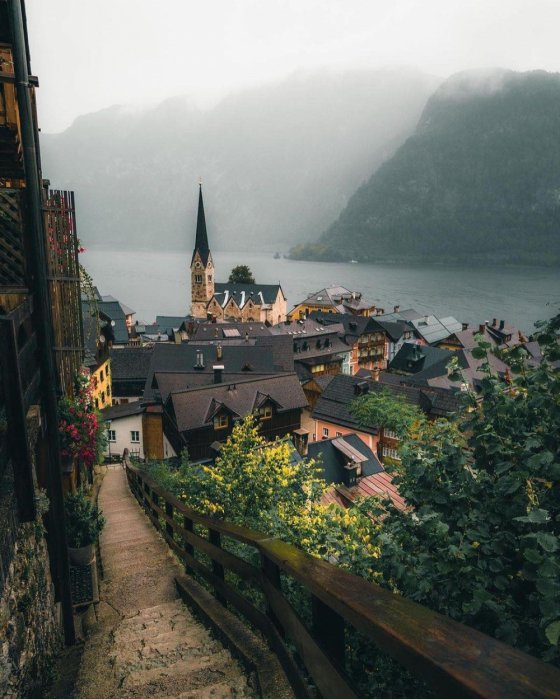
{"points": [[123, 428]]}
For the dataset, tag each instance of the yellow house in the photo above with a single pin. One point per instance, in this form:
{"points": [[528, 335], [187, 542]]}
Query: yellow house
{"points": [[102, 389], [97, 358], [334, 299]]}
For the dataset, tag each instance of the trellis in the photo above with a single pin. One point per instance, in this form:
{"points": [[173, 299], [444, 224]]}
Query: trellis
{"points": [[63, 273]]}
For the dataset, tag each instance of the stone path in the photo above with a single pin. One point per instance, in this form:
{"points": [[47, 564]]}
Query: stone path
{"points": [[146, 643]]}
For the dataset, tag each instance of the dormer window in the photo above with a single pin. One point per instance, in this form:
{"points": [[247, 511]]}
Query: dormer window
{"points": [[265, 413], [220, 422]]}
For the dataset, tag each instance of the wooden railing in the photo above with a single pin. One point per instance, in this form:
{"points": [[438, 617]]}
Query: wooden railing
{"points": [[453, 659]]}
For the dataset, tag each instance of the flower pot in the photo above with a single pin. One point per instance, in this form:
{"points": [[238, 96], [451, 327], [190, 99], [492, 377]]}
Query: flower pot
{"points": [[82, 556]]}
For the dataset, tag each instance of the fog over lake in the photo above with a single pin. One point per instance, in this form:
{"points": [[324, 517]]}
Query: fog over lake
{"points": [[158, 283]]}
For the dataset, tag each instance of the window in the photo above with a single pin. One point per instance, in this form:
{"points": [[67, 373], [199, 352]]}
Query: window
{"points": [[198, 278], [220, 422], [134, 436], [265, 413], [102, 397], [101, 375], [339, 434], [209, 277], [391, 453], [108, 390], [317, 368], [112, 435], [325, 432], [390, 434], [124, 400]]}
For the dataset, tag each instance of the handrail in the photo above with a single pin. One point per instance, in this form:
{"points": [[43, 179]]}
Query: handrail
{"points": [[452, 658]]}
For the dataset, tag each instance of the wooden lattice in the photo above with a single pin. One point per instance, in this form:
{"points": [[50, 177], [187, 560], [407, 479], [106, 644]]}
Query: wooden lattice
{"points": [[64, 285], [12, 256]]}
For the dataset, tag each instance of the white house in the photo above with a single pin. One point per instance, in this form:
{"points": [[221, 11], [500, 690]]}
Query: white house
{"points": [[124, 429]]}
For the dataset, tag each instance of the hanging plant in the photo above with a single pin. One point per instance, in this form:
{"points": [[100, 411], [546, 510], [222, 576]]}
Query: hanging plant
{"points": [[79, 428]]}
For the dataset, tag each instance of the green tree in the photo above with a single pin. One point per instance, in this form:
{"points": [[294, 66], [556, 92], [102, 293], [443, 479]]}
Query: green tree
{"points": [[241, 275], [481, 540], [384, 409]]}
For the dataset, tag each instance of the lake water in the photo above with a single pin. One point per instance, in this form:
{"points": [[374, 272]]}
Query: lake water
{"points": [[158, 283]]}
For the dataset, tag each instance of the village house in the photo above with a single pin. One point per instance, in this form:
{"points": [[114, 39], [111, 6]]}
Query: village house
{"points": [[318, 350], [333, 418], [353, 471], [129, 369], [428, 329], [428, 366], [177, 367], [198, 417], [396, 334], [364, 335], [116, 319], [334, 299], [97, 359], [223, 301], [500, 336]]}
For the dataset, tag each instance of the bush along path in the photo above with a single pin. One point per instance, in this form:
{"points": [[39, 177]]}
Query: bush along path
{"points": [[146, 642]]}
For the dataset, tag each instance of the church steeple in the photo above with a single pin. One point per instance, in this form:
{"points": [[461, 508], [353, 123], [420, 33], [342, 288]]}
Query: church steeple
{"points": [[201, 240], [202, 266]]}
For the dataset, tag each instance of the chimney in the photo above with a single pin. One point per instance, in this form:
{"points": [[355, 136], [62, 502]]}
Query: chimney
{"points": [[464, 326], [351, 472], [301, 440], [219, 352], [375, 373], [494, 321], [218, 370], [199, 360], [361, 388], [396, 309], [502, 324], [481, 328]]}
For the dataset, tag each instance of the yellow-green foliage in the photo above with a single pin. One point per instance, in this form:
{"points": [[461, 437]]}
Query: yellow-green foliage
{"points": [[259, 484]]}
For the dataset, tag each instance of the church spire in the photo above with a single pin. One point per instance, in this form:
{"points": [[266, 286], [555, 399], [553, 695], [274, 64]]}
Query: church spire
{"points": [[201, 241]]}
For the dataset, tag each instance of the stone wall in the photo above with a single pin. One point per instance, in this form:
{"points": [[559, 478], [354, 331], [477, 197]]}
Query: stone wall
{"points": [[30, 632]]}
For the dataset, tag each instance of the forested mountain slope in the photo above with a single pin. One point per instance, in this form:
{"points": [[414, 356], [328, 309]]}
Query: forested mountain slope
{"points": [[478, 180]]}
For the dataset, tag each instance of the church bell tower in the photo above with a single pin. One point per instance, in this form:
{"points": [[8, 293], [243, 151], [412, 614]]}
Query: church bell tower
{"points": [[202, 266]]}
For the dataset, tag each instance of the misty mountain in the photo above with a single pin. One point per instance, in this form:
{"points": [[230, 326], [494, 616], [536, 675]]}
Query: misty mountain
{"points": [[278, 163], [478, 180]]}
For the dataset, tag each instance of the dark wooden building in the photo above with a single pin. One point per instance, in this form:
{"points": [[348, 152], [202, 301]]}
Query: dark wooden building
{"points": [[198, 417]]}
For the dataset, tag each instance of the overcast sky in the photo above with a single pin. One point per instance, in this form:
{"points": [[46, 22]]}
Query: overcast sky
{"points": [[90, 55]]}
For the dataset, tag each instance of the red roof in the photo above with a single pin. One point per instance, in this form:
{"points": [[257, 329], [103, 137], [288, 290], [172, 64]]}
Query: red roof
{"points": [[376, 484]]}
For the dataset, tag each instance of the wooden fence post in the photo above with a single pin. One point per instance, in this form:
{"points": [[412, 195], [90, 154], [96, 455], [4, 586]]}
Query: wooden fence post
{"points": [[189, 548], [328, 627], [272, 573], [169, 512], [217, 568]]}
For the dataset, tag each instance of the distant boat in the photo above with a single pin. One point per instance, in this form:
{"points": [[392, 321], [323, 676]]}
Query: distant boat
{"points": [[353, 262], [276, 255]]}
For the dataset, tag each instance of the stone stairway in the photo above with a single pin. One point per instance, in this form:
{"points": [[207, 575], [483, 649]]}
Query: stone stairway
{"points": [[146, 643]]}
